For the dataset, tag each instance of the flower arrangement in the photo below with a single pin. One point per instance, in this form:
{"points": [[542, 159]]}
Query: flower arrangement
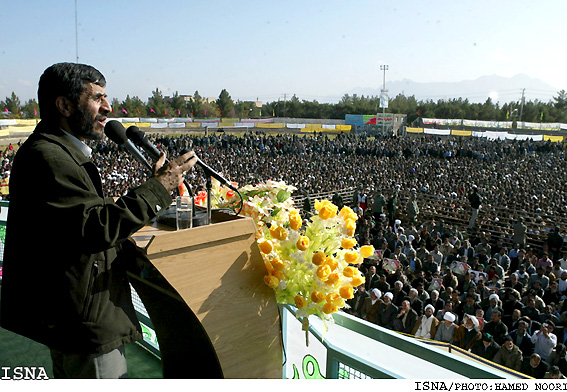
{"points": [[313, 266], [310, 264]]}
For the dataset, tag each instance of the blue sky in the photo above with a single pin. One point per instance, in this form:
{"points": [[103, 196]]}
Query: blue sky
{"points": [[265, 49]]}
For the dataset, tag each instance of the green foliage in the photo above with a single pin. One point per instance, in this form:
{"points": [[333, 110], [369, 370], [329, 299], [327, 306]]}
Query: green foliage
{"points": [[225, 104], [458, 108]]}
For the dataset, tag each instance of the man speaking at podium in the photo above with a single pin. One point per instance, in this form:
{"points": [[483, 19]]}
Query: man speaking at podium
{"points": [[66, 252]]}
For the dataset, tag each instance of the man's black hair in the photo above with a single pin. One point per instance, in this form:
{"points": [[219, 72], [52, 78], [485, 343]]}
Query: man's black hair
{"points": [[64, 79]]}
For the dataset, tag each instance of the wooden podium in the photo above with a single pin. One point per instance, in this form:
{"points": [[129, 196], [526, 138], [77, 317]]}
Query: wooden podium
{"points": [[213, 315]]}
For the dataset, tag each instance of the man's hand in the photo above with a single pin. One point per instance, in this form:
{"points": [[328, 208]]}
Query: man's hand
{"points": [[171, 174]]}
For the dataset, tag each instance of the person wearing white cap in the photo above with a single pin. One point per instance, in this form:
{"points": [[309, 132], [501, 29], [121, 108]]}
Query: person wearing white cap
{"points": [[397, 225], [426, 325], [370, 308], [493, 305], [467, 333], [446, 329], [387, 311]]}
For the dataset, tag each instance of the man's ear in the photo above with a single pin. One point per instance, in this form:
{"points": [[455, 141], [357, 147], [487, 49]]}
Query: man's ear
{"points": [[65, 106]]}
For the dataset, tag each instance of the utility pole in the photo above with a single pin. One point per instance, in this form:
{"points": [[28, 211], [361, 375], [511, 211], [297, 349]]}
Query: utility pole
{"points": [[284, 99], [522, 105], [76, 33]]}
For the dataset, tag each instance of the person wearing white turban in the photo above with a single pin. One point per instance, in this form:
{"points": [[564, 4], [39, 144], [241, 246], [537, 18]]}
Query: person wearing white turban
{"points": [[446, 329], [371, 305], [426, 325]]}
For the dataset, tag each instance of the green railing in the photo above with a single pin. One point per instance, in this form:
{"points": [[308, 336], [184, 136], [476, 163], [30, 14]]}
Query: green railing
{"points": [[400, 361]]}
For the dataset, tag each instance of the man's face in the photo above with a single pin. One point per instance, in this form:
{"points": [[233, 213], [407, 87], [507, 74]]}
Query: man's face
{"points": [[509, 345], [495, 317], [87, 121], [428, 312], [405, 306], [535, 361]]}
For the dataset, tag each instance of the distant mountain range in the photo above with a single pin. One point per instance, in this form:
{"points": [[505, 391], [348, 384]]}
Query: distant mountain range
{"points": [[499, 88]]}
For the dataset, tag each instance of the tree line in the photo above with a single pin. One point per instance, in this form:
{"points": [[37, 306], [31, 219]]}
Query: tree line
{"points": [[225, 107]]}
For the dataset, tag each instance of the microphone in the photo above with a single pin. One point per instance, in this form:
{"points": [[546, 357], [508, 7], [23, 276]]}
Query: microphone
{"points": [[116, 132], [139, 138]]}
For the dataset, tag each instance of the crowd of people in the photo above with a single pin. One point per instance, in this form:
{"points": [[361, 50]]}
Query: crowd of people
{"points": [[503, 304], [520, 175], [428, 279]]}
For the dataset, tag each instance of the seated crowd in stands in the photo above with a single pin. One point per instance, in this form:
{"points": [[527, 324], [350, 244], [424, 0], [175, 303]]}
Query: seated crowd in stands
{"points": [[436, 282]]}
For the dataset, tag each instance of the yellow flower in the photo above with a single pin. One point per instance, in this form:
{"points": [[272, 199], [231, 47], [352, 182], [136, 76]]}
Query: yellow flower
{"points": [[328, 211], [317, 297], [279, 274], [331, 297], [318, 258], [278, 264], [294, 221], [349, 272], [348, 214], [265, 247], [358, 280], [366, 251], [352, 257], [330, 308], [269, 267], [302, 243], [271, 281], [335, 300], [332, 263], [320, 204], [347, 243], [300, 302], [323, 271], [346, 292], [278, 232], [333, 279], [350, 224]]}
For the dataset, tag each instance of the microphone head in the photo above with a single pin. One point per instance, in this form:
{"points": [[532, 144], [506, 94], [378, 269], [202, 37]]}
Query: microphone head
{"points": [[115, 132], [135, 134]]}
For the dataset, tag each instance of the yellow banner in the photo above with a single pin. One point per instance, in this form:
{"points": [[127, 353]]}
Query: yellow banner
{"points": [[4, 132], [193, 125], [313, 129], [32, 121], [21, 129], [414, 130], [553, 138], [340, 127], [226, 124], [270, 125], [457, 132]]}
